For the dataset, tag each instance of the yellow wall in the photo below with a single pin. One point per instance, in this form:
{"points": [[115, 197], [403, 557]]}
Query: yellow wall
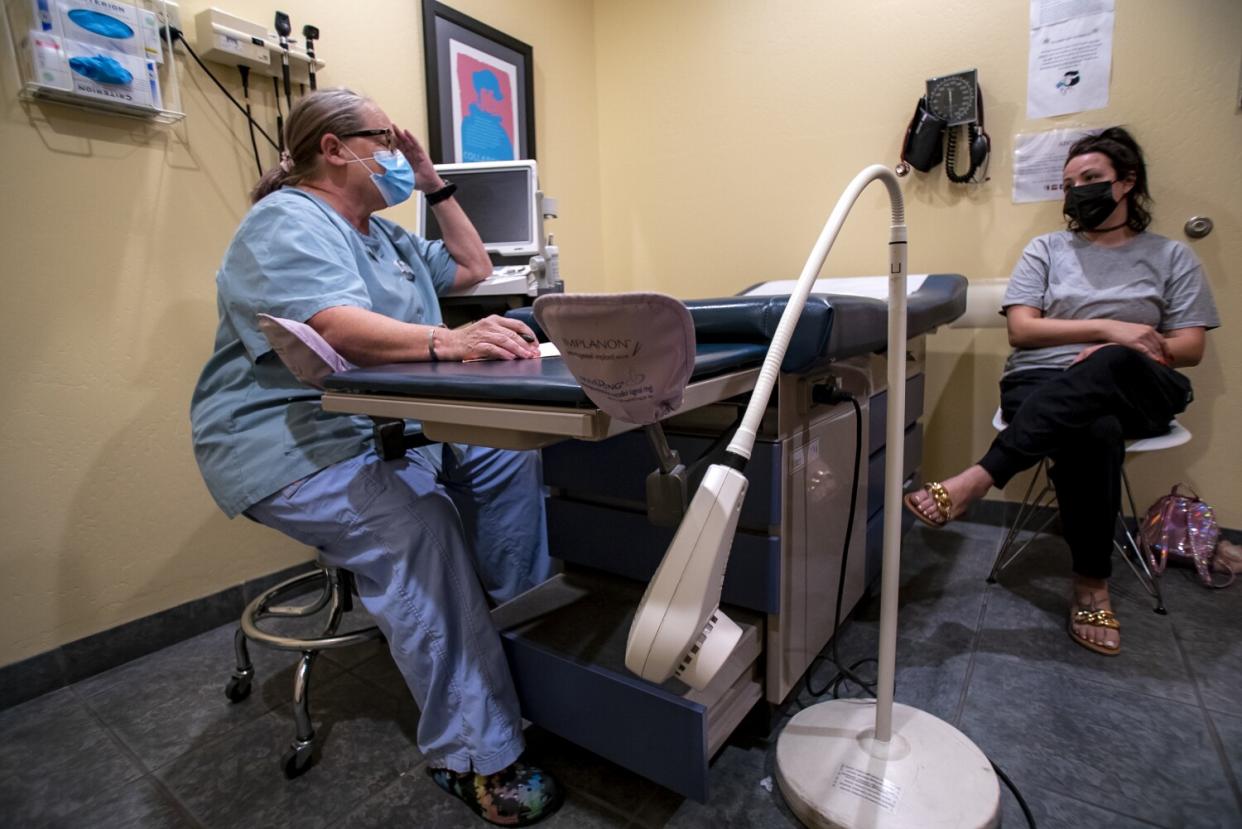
{"points": [[726, 144], [111, 233], [695, 147]]}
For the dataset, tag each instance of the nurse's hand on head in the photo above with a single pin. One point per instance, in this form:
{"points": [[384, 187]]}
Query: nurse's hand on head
{"points": [[491, 338], [425, 177]]}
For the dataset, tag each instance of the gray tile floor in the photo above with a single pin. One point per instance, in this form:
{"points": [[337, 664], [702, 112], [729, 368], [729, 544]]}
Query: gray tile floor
{"points": [[1150, 738]]}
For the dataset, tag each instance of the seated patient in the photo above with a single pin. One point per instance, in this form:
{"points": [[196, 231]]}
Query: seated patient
{"points": [[420, 532], [1100, 316]]}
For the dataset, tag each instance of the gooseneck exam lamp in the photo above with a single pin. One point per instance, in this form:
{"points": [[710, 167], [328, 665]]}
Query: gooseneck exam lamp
{"points": [[845, 763]]}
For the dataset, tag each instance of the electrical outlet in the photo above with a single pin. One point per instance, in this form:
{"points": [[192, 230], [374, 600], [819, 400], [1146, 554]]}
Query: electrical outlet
{"points": [[168, 12]]}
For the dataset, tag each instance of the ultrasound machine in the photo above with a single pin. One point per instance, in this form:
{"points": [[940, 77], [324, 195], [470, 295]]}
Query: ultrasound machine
{"points": [[504, 202]]}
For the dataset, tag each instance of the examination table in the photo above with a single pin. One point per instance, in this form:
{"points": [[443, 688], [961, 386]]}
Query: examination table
{"points": [[565, 640]]}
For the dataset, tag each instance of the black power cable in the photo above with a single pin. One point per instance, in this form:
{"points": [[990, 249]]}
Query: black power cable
{"points": [[280, 118], [1026, 810], [176, 34], [835, 395], [254, 145]]}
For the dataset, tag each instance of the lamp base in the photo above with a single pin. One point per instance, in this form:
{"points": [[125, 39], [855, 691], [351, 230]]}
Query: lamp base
{"points": [[834, 773]]}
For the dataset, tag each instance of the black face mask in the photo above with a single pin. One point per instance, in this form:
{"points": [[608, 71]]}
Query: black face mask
{"points": [[1089, 205]]}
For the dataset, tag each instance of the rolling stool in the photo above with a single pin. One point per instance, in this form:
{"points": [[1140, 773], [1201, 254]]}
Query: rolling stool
{"points": [[336, 593], [1129, 550]]}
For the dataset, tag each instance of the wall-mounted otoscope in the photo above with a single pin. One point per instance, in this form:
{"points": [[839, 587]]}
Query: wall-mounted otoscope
{"points": [[283, 30], [310, 34]]}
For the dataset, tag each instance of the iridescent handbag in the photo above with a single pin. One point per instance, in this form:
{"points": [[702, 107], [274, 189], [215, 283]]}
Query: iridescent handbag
{"points": [[1181, 529]]}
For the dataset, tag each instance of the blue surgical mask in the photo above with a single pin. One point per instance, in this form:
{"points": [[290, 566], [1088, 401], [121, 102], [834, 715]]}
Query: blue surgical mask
{"points": [[396, 183]]}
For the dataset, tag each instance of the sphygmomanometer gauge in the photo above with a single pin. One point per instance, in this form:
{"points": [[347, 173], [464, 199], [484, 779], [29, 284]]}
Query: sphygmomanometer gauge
{"points": [[953, 97]]}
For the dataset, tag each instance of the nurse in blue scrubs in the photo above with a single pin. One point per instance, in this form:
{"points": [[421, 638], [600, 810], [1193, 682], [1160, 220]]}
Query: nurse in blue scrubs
{"points": [[428, 537]]}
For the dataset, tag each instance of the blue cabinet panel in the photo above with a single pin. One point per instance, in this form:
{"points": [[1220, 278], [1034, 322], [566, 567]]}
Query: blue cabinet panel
{"points": [[626, 543], [633, 723], [875, 541], [875, 470], [618, 468], [879, 410]]}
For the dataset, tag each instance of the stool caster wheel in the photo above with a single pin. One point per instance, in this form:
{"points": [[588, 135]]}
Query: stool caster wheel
{"points": [[237, 689], [296, 760]]}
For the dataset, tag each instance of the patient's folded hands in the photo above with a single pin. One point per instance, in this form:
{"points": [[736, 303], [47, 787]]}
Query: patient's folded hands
{"points": [[1142, 338]]}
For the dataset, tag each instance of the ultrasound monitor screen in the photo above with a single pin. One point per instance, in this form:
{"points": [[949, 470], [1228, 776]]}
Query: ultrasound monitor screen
{"points": [[499, 202]]}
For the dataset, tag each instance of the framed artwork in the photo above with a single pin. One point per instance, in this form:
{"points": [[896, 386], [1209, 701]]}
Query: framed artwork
{"points": [[480, 89]]}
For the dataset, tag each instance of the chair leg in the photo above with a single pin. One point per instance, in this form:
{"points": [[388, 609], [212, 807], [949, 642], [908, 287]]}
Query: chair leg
{"points": [[335, 597], [238, 687], [1132, 554], [1026, 511], [338, 601], [297, 758]]}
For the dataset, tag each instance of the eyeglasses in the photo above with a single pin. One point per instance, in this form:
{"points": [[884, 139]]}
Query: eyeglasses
{"points": [[389, 139]]}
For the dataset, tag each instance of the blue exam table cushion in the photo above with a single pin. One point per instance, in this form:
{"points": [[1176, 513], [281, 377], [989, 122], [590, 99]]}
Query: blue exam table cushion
{"points": [[732, 333], [545, 380], [831, 327]]}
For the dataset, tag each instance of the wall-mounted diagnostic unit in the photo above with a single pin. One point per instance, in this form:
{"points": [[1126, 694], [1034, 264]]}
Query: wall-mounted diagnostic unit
{"points": [[503, 201], [234, 41]]}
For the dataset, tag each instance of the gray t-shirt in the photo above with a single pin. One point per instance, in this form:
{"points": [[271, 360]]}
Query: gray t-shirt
{"points": [[1149, 279]]}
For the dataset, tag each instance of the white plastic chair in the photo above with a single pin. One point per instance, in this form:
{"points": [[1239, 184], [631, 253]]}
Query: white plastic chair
{"points": [[1030, 508]]}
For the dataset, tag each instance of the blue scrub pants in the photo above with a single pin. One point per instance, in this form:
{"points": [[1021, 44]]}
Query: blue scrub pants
{"points": [[419, 540]]}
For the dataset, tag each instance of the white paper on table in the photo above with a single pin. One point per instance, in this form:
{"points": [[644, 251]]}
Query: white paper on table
{"points": [[1038, 161], [872, 287], [1046, 12], [547, 349], [1069, 66]]}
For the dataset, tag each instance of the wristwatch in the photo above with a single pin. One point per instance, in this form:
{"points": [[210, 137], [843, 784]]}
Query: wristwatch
{"points": [[443, 193]]}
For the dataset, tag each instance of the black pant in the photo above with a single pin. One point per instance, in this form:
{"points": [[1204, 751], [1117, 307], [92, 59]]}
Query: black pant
{"points": [[1080, 418]]}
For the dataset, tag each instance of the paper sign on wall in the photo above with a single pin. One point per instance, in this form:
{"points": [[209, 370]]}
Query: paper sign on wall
{"points": [[1046, 12], [1038, 159], [1070, 60]]}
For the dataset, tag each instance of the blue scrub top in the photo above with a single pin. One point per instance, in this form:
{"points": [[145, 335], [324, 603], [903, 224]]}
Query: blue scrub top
{"points": [[256, 428]]}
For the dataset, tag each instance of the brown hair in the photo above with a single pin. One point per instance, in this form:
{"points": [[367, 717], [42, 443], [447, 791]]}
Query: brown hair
{"points": [[1127, 157], [335, 111]]}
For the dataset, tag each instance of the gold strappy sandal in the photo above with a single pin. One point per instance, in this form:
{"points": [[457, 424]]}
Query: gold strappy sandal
{"points": [[1094, 618], [943, 503]]}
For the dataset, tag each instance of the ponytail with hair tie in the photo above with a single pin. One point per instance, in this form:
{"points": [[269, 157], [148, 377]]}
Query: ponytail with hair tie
{"points": [[324, 111]]}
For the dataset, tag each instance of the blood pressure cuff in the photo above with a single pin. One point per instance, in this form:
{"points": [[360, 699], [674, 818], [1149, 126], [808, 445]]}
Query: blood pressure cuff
{"points": [[632, 353], [302, 350]]}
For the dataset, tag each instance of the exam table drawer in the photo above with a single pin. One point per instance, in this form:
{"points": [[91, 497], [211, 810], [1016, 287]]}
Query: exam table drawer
{"points": [[565, 642], [617, 469], [627, 544]]}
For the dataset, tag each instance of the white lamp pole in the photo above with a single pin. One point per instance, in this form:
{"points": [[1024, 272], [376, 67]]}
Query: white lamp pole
{"points": [[874, 763]]}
